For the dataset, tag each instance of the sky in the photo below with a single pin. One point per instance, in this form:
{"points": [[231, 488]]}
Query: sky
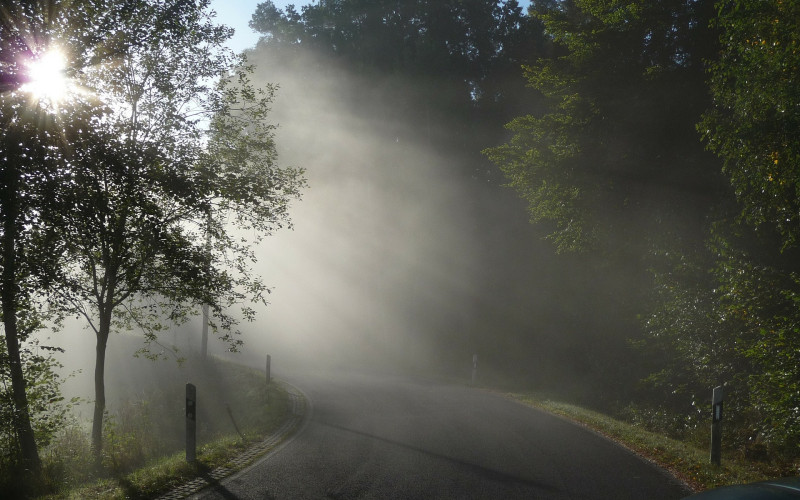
{"points": [[237, 13]]}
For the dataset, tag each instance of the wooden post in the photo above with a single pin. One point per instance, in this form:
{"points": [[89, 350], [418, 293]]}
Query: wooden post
{"points": [[191, 423], [716, 425]]}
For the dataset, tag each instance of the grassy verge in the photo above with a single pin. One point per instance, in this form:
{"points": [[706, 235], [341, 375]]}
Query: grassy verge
{"points": [[161, 475], [685, 461], [249, 412]]}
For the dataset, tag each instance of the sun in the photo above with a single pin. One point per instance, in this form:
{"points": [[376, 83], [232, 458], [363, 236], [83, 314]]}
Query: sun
{"points": [[47, 79]]}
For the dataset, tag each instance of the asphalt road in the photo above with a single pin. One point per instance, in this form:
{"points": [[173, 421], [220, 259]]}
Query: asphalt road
{"points": [[376, 437]]}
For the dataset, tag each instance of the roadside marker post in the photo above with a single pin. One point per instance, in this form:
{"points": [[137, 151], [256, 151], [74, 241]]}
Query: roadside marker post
{"points": [[716, 425], [474, 368], [191, 423]]}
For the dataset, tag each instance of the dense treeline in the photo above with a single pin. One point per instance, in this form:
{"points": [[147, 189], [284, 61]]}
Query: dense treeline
{"points": [[655, 146]]}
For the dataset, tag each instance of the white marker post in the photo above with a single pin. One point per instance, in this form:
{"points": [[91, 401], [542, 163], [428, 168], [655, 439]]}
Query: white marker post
{"points": [[716, 425], [474, 368]]}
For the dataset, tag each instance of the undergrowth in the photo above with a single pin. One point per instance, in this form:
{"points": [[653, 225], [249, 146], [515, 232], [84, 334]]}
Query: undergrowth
{"points": [[144, 445]]}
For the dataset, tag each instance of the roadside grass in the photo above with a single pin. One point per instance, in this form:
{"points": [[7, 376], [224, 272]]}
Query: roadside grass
{"points": [[141, 461], [161, 475], [686, 461]]}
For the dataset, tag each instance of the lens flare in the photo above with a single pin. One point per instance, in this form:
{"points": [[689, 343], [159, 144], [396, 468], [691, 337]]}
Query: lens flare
{"points": [[47, 77]]}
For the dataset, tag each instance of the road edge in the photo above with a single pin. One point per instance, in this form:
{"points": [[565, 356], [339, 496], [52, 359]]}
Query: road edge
{"points": [[666, 469], [272, 444]]}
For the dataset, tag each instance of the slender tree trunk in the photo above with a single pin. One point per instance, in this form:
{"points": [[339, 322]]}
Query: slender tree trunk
{"points": [[100, 386], [9, 295], [204, 332]]}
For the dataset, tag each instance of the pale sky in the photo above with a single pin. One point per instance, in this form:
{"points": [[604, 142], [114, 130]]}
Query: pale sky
{"points": [[237, 13]]}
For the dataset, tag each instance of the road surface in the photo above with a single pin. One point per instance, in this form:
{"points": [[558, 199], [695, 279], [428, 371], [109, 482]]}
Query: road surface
{"points": [[377, 437]]}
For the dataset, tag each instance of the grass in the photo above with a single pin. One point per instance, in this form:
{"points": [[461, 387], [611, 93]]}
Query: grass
{"points": [[241, 410], [684, 460], [161, 475]]}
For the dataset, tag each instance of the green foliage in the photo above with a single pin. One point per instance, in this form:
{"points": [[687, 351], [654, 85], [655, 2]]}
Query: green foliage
{"points": [[613, 156], [754, 120], [727, 316], [118, 203], [68, 458], [29, 255], [760, 288], [614, 161], [47, 408], [153, 192], [129, 438], [160, 159]]}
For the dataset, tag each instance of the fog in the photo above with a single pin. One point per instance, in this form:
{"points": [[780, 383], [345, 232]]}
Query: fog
{"points": [[381, 256], [400, 255], [404, 256]]}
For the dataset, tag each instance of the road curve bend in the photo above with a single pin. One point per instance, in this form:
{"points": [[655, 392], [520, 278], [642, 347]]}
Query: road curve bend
{"points": [[370, 436]]}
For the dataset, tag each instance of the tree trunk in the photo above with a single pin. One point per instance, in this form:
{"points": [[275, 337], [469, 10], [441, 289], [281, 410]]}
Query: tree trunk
{"points": [[9, 295], [29, 453], [100, 387], [204, 332]]}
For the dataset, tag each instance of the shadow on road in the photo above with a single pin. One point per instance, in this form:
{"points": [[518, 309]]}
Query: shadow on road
{"points": [[215, 485], [475, 469]]}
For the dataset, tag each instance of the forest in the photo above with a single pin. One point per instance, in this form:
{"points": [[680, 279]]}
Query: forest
{"points": [[633, 171], [654, 146]]}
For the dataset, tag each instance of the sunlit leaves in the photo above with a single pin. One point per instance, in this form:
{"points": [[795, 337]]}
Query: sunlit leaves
{"points": [[754, 122], [46, 403]]}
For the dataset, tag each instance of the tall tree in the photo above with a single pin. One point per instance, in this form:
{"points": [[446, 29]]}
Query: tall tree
{"points": [[445, 66], [28, 147], [753, 127], [169, 151], [615, 155], [610, 165], [18, 151]]}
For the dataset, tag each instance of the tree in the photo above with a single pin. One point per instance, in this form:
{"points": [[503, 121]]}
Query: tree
{"points": [[611, 167], [28, 137], [752, 127], [754, 120], [614, 155], [170, 151], [18, 278], [449, 67], [33, 152]]}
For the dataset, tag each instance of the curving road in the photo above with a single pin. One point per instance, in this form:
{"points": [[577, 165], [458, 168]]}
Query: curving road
{"points": [[378, 437]]}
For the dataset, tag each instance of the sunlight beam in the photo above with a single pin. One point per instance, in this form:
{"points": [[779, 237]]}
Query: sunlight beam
{"points": [[47, 79]]}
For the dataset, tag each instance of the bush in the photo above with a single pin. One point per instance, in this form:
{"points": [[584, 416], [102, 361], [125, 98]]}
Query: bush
{"points": [[46, 405]]}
